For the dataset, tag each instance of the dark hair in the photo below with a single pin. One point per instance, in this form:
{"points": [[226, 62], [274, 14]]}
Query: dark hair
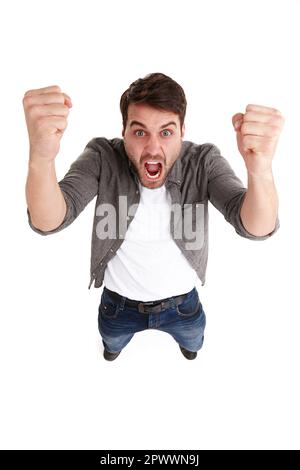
{"points": [[157, 90]]}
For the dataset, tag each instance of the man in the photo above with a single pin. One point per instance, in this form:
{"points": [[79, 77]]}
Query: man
{"points": [[150, 228]]}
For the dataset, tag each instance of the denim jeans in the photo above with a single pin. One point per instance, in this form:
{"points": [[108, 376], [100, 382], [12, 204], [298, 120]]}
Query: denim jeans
{"points": [[118, 323]]}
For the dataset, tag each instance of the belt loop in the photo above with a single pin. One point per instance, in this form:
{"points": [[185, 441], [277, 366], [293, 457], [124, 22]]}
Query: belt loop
{"points": [[140, 307], [173, 302], [122, 302]]}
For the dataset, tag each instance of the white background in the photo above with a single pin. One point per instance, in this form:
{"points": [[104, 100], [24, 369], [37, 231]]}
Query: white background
{"points": [[57, 391]]}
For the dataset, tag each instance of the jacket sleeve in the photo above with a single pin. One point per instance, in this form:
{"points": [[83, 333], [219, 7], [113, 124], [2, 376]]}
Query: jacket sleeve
{"points": [[226, 192], [79, 186]]}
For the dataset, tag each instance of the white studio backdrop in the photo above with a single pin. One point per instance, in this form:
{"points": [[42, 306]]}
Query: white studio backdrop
{"points": [[57, 391]]}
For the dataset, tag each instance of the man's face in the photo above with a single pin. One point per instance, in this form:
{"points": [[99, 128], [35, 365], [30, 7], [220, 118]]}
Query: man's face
{"points": [[152, 141]]}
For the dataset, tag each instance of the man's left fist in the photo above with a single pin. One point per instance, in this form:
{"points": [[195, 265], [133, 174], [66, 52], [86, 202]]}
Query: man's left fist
{"points": [[257, 133]]}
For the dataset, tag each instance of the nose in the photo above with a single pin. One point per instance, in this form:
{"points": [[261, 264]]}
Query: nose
{"points": [[153, 146]]}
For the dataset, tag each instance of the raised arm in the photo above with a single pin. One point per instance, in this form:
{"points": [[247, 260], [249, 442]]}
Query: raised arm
{"points": [[257, 133], [46, 111]]}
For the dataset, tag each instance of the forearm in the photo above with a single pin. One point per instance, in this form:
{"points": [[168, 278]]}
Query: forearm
{"points": [[260, 207], [45, 200]]}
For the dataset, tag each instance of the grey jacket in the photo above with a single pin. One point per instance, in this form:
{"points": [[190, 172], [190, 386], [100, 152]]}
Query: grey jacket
{"points": [[200, 174]]}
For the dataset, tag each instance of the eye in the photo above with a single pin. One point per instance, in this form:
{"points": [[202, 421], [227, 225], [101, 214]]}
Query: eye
{"points": [[136, 132], [165, 132]]}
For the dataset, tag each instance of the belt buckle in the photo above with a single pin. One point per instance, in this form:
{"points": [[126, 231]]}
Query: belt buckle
{"points": [[141, 306]]}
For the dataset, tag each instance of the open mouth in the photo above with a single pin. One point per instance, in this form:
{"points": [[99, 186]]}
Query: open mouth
{"points": [[153, 170]]}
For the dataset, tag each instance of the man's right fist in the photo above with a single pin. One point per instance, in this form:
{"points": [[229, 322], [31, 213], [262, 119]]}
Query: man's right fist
{"points": [[46, 111]]}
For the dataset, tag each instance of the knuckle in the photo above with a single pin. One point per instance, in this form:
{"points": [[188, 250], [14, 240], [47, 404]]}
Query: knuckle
{"points": [[28, 92], [26, 100], [276, 122], [275, 130], [280, 120], [248, 115], [59, 97], [33, 110], [244, 128]]}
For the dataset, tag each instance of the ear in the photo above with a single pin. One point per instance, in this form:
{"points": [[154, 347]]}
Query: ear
{"points": [[183, 130]]}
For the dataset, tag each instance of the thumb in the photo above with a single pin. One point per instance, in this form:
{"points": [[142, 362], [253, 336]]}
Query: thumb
{"points": [[237, 121]]}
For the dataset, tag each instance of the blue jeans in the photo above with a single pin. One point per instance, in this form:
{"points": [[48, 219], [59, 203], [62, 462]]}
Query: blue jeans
{"points": [[118, 323]]}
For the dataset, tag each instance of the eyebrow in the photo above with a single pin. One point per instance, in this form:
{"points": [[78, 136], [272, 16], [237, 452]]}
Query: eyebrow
{"points": [[137, 123]]}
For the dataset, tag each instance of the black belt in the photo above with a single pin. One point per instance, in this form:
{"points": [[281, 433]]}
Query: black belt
{"points": [[154, 306]]}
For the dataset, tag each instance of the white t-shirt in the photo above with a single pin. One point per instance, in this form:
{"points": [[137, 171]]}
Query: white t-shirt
{"points": [[149, 265]]}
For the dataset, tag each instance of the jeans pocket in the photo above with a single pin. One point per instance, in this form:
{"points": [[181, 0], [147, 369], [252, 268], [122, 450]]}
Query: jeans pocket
{"points": [[190, 306], [107, 308]]}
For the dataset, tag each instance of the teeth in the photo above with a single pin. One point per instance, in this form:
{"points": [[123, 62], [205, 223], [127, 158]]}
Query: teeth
{"points": [[152, 162]]}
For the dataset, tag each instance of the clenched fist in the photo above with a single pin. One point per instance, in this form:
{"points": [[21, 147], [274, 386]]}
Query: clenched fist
{"points": [[258, 131], [46, 111]]}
